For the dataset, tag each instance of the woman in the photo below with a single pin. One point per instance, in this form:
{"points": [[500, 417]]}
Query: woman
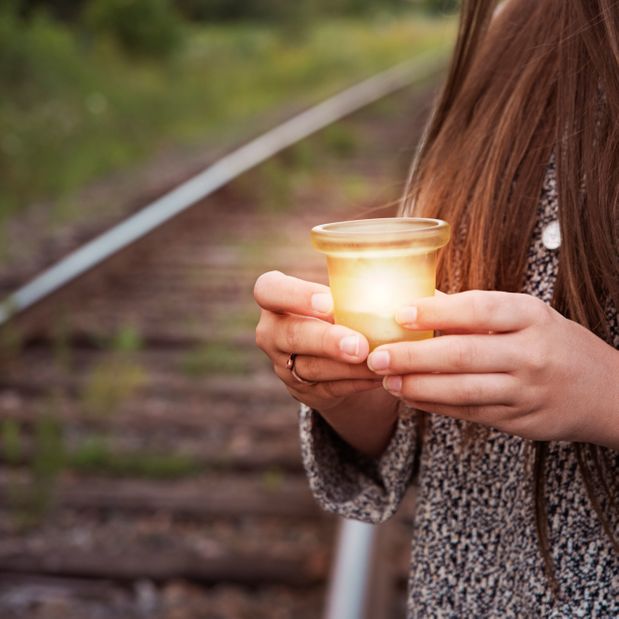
{"points": [[509, 421]]}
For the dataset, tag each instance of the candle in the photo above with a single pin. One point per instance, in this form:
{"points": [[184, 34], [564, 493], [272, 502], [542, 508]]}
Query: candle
{"points": [[377, 266]]}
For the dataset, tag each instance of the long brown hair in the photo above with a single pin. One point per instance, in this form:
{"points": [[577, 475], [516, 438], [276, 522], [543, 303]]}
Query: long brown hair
{"points": [[536, 80]]}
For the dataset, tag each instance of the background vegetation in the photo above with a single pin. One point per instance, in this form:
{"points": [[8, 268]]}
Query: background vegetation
{"points": [[90, 86]]}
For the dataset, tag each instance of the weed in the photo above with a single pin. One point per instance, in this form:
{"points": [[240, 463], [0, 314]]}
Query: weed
{"points": [[341, 140], [11, 342], [30, 503], [126, 340], [117, 377], [355, 187], [214, 358], [272, 479], [60, 336], [95, 455], [236, 321], [11, 441], [110, 383], [302, 156]]}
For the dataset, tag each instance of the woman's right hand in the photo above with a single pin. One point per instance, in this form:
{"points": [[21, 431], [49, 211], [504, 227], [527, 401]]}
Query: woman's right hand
{"points": [[296, 317]]}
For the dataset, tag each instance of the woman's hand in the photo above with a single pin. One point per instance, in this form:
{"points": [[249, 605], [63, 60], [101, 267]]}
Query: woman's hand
{"points": [[508, 361], [296, 318]]}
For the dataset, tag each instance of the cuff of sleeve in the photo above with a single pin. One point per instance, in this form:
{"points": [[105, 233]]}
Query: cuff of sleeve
{"points": [[350, 484]]}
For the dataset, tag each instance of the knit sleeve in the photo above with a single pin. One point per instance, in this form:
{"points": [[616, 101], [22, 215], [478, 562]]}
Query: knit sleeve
{"points": [[350, 484]]}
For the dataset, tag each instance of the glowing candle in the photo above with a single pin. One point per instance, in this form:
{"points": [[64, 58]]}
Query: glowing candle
{"points": [[377, 266]]}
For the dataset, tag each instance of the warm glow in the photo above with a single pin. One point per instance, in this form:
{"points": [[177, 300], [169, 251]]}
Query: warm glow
{"points": [[367, 293], [378, 266]]}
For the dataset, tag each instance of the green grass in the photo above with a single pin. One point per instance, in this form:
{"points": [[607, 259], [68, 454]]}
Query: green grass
{"points": [[215, 358], [94, 456], [75, 110], [11, 443]]}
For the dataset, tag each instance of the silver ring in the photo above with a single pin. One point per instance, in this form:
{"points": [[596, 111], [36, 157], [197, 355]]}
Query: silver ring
{"points": [[292, 357]]}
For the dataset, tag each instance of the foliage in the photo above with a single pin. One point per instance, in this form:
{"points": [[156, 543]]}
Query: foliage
{"points": [[437, 7], [11, 441], [117, 377], [61, 9], [141, 27], [29, 503], [285, 10], [77, 108], [94, 455], [278, 11], [214, 358]]}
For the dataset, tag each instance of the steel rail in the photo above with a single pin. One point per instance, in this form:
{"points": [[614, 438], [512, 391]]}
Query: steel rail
{"points": [[349, 585], [216, 176]]}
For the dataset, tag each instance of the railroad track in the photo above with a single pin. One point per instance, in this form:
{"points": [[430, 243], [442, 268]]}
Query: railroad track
{"points": [[150, 464]]}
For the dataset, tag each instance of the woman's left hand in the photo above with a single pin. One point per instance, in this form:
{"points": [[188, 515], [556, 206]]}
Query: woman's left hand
{"points": [[508, 361]]}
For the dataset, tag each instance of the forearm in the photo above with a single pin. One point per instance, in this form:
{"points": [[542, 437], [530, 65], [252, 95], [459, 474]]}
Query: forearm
{"points": [[605, 429], [365, 421]]}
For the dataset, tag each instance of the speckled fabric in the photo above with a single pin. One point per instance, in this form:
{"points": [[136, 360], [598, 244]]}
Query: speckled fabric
{"points": [[474, 548]]}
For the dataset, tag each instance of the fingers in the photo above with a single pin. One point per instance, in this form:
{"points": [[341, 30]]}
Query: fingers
{"points": [[326, 390], [333, 389], [318, 369], [308, 336], [283, 294], [479, 414], [455, 389], [477, 311], [449, 353]]}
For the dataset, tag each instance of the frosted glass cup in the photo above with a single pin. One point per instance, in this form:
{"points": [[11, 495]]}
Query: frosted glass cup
{"points": [[377, 266]]}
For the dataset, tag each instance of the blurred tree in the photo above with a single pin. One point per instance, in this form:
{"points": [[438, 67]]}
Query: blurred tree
{"points": [[280, 10], [30, 52], [66, 10], [366, 6], [437, 7], [225, 10], [141, 27]]}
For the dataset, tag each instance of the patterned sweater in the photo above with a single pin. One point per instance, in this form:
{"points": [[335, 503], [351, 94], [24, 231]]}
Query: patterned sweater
{"points": [[475, 552]]}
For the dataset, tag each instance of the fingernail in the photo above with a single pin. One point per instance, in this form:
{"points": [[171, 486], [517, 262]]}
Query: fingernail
{"points": [[406, 315], [322, 302], [393, 384], [379, 360], [350, 345]]}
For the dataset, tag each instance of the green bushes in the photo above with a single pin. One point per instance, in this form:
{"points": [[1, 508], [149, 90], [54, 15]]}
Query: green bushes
{"points": [[30, 52], [154, 28], [141, 27], [41, 66], [75, 107], [280, 11], [437, 7]]}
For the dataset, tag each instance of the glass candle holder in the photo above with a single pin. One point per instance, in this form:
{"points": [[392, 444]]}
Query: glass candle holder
{"points": [[377, 266]]}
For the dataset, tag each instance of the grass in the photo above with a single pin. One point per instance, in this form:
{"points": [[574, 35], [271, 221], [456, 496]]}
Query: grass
{"points": [[95, 456], [274, 185], [30, 503], [117, 376], [215, 358], [80, 110]]}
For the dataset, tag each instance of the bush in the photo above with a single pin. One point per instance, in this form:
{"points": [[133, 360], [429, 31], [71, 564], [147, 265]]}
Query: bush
{"points": [[65, 10], [31, 52], [437, 7], [140, 27], [281, 11]]}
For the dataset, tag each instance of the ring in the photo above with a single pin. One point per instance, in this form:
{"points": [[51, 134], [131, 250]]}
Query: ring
{"points": [[292, 357]]}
